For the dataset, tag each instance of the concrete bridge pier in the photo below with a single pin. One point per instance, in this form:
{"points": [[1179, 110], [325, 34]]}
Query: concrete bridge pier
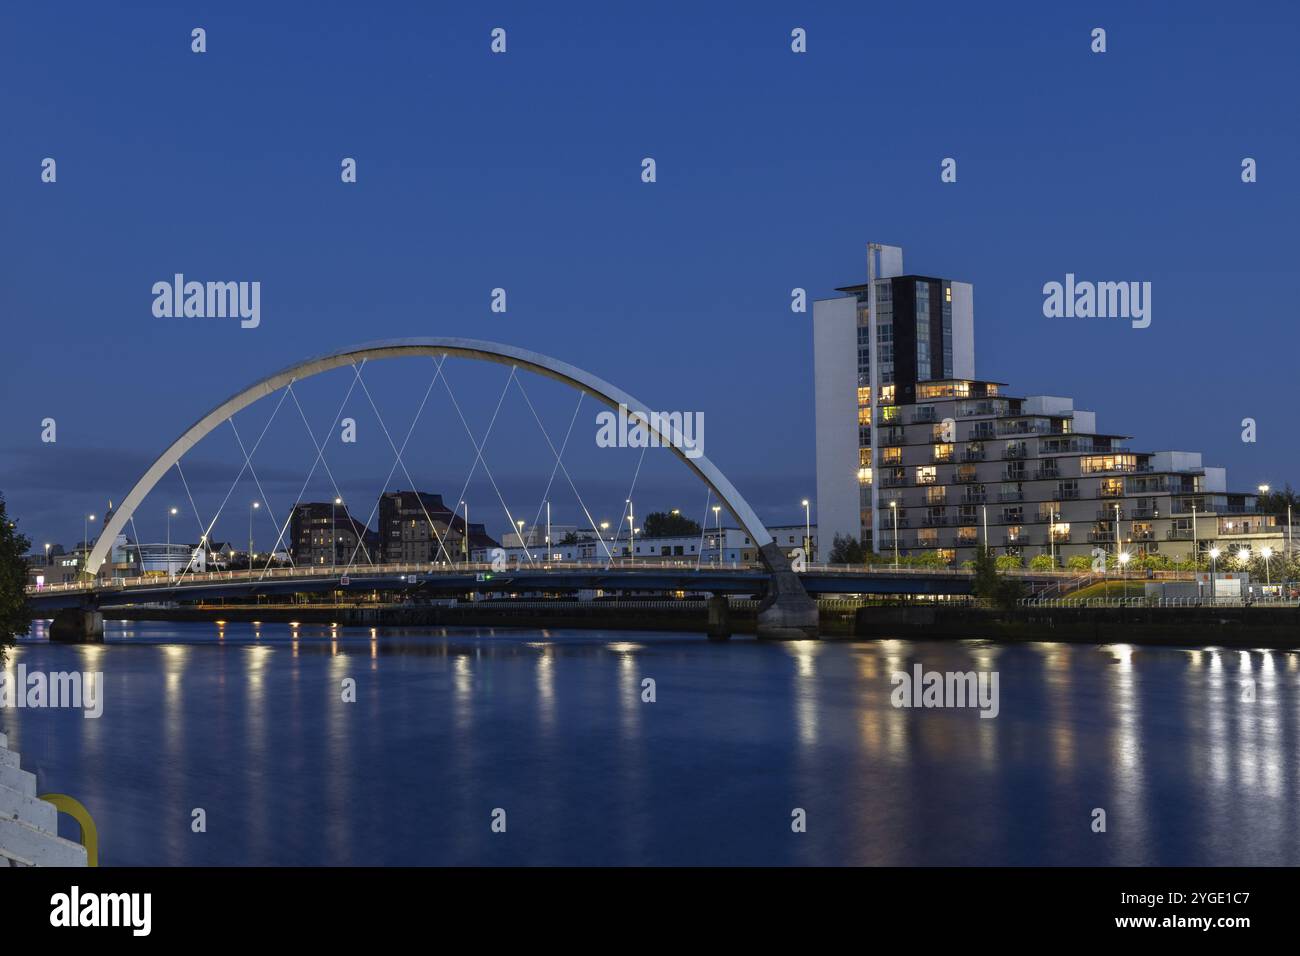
{"points": [[786, 613], [77, 625], [719, 618]]}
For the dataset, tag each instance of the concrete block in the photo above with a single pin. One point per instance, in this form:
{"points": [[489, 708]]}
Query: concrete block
{"points": [[30, 810], [18, 841], [8, 758], [19, 780]]}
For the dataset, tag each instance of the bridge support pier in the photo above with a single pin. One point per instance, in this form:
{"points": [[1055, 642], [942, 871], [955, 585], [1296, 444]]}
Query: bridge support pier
{"points": [[787, 613], [719, 618], [77, 625]]}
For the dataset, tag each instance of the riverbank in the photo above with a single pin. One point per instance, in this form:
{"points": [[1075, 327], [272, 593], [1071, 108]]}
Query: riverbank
{"points": [[1252, 627]]}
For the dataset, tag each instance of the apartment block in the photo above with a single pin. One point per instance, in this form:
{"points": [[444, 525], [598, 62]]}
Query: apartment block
{"points": [[964, 462]]}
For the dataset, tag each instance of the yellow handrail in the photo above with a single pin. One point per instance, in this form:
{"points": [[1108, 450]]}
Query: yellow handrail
{"points": [[74, 808]]}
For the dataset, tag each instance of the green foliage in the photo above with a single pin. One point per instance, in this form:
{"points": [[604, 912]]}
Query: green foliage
{"points": [[846, 549], [991, 586], [15, 613], [1042, 562], [669, 524], [1078, 562]]}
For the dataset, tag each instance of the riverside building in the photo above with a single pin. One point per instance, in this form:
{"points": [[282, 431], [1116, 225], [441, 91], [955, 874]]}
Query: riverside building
{"points": [[964, 462]]}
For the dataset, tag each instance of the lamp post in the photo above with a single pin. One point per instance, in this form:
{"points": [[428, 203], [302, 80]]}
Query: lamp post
{"points": [[631, 532], [1214, 566], [807, 527], [170, 576], [717, 517], [893, 507], [251, 508], [1267, 553], [548, 532], [47, 555], [519, 526], [1123, 559], [1053, 517], [1117, 531], [85, 543], [334, 533], [464, 538]]}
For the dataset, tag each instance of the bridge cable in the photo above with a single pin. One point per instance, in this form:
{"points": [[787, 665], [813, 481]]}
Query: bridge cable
{"points": [[708, 496], [338, 492], [479, 449], [235, 483], [432, 527], [630, 528], [559, 462], [320, 458]]}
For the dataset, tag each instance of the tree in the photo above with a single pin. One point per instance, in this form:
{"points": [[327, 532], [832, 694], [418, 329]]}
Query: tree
{"points": [[15, 613], [991, 586], [846, 549], [1079, 562], [1042, 562], [663, 524], [1276, 502]]}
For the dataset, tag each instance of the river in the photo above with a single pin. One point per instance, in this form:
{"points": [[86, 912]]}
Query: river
{"points": [[1192, 754]]}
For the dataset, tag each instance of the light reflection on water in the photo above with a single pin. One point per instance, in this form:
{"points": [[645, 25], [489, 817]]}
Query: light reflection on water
{"points": [[1191, 752]]}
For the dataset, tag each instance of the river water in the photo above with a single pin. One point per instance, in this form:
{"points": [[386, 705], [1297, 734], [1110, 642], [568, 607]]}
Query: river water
{"points": [[1191, 753]]}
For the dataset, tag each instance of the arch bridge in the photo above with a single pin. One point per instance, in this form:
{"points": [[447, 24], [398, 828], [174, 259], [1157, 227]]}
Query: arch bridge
{"points": [[786, 610]]}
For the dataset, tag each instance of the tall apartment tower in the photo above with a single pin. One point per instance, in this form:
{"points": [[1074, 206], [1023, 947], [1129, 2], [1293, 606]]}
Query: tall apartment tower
{"points": [[963, 464]]}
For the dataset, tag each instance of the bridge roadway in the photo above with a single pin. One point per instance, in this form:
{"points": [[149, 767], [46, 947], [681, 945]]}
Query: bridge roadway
{"points": [[643, 575]]}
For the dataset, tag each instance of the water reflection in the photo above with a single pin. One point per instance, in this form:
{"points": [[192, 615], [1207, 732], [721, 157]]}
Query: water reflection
{"points": [[1189, 751]]}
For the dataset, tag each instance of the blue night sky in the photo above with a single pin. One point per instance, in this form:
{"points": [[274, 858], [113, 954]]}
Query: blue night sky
{"points": [[523, 171]]}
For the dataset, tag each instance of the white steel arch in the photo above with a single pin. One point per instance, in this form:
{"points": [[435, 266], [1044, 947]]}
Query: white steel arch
{"points": [[465, 348]]}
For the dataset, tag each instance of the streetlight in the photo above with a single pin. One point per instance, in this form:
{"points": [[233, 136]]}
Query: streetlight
{"points": [[85, 543], [717, 517], [47, 555], [1214, 564], [807, 528], [464, 538], [170, 512], [253, 507], [1267, 553], [631, 531], [334, 533], [1123, 558], [893, 507], [1051, 534]]}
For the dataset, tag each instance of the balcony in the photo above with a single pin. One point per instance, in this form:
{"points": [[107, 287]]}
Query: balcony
{"points": [[1178, 534], [935, 521], [982, 432], [1108, 514], [974, 497], [966, 478], [1146, 514], [1047, 472], [925, 414], [1017, 540], [1015, 451], [1101, 537], [1015, 474], [1060, 537], [893, 481], [1011, 496], [967, 540], [971, 454]]}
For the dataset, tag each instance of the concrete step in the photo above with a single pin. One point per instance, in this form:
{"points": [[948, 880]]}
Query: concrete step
{"points": [[19, 780], [35, 847], [8, 758], [30, 810]]}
